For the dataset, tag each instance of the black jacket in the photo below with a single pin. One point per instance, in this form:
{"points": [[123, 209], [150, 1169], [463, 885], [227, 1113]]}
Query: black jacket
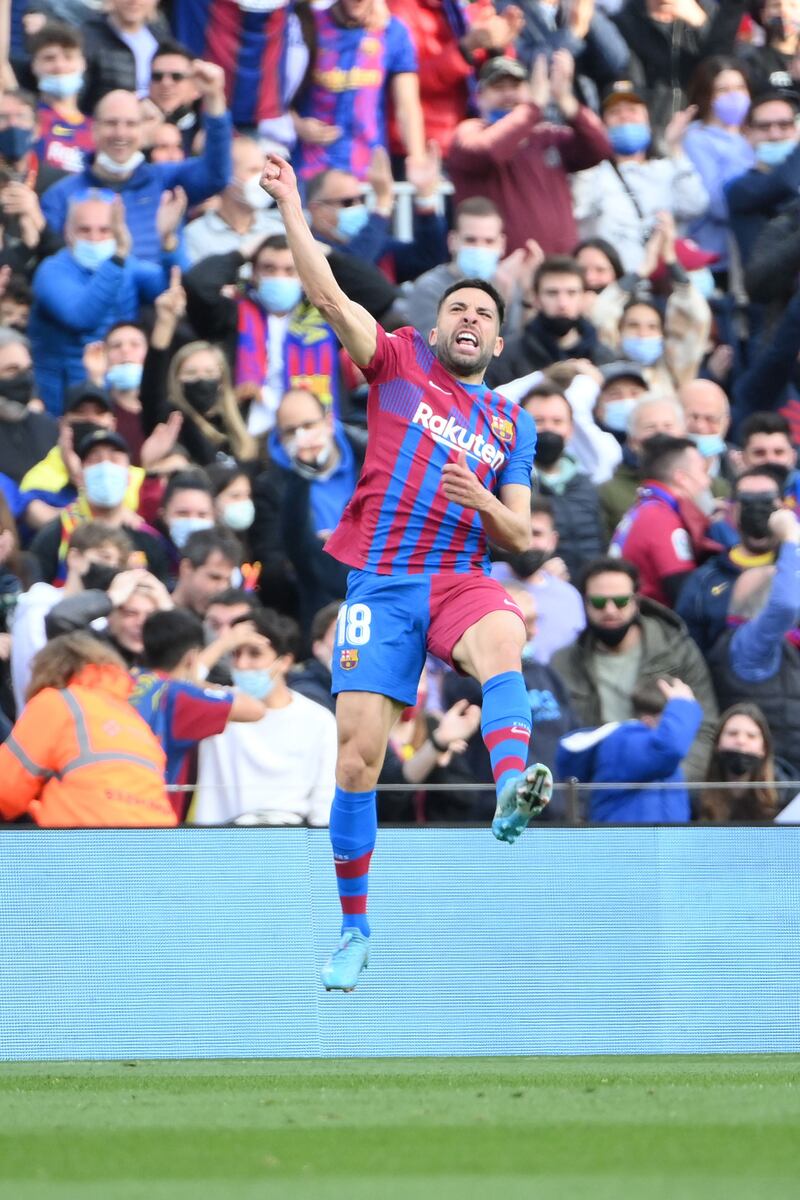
{"points": [[109, 61], [533, 349], [313, 679], [576, 513]]}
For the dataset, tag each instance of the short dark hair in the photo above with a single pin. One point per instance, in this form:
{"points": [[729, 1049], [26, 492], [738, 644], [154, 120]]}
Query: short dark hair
{"points": [[91, 535], [647, 698], [124, 325], [233, 596], [476, 206], [55, 34], [19, 290], [194, 480], [323, 619], [168, 635], [558, 264], [482, 285], [700, 90], [282, 632], [600, 566], [764, 422], [661, 454], [544, 391], [221, 475], [641, 301], [598, 243], [767, 471], [275, 241], [201, 544], [175, 48]]}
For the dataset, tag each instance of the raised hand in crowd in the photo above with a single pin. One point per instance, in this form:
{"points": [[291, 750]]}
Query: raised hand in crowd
{"points": [[170, 306], [95, 362], [579, 17], [381, 180], [162, 440], [652, 250], [425, 174], [676, 130], [675, 689], [492, 31], [119, 228], [209, 79], [539, 82], [783, 525], [20, 201], [169, 216], [455, 728], [516, 270], [562, 83]]}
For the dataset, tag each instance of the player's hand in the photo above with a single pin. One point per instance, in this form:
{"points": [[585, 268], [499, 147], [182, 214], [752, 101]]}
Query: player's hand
{"points": [[278, 179], [462, 486]]}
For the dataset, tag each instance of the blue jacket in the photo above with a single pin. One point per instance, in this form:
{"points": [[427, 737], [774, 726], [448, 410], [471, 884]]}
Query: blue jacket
{"points": [[756, 196], [632, 752], [756, 647], [73, 306], [200, 178], [763, 386], [718, 157], [705, 597]]}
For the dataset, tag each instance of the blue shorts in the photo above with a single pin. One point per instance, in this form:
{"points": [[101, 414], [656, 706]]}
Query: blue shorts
{"points": [[389, 623]]}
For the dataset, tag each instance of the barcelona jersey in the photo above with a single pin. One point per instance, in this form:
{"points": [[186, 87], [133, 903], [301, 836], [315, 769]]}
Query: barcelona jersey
{"points": [[420, 417]]}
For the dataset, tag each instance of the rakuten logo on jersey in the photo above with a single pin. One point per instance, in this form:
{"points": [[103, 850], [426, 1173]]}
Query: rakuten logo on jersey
{"points": [[447, 432]]}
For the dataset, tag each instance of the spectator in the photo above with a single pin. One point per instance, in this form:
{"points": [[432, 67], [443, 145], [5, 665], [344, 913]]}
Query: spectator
{"points": [[187, 506], [766, 442], [559, 609], [26, 237], [119, 164], [666, 532], [242, 218], [757, 658], [623, 384], [65, 133], [79, 755], [95, 554], [365, 51], [120, 44], [209, 560], [13, 579], [646, 750], [629, 638], [600, 52], [26, 433], [557, 332], [708, 418], [312, 678], [166, 145], [15, 303], [105, 464], [224, 609], [741, 752], [174, 93], [773, 376], [777, 55], [716, 147], [619, 199], [650, 415], [279, 770], [576, 506], [601, 266], [93, 283], [117, 364], [180, 712], [705, 597], [512, 157], [233, 497]]}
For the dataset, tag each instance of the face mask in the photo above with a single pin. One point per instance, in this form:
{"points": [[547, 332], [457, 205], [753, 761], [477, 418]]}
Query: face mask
{"points": [[98, 577], [772, 154], [754, 518], [617, 414], [202, 394], [557, 326], [780, 472], [18, 388], [739, 763], [124, 377], [91, 255], [239, 514], [709, 444], [15, 143], [526, 563], [254, 195], [496, 114], [529, 651], [477, 262], [106, 484], [731, 108], [644, 350], [612, 637], [549, 448], [279, 295], [108, 165], [630, 139], [257, 684], [705, 502], [703, 280], [182, 528], [350, 221], [61, 86]]}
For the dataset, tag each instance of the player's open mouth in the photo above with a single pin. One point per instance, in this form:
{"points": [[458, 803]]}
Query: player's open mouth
{"points": [[465, 338]]}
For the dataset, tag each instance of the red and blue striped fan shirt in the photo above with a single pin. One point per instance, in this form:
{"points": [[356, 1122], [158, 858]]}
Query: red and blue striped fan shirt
{"points": [[419, 417]]}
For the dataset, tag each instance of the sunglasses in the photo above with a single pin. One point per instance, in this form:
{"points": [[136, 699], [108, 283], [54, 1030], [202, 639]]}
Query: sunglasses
{"points": [[175, 76], [601, 602]]}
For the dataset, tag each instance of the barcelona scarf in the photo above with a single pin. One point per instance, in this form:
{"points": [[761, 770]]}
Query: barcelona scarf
{"points": [[310, 354]]}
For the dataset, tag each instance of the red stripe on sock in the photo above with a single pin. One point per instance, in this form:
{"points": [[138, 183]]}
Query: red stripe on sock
{"points": [[507, 764], [353, 867], [351, 905], [505, 735]]}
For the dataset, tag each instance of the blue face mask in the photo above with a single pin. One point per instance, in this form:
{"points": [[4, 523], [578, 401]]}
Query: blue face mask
{"points": [[644, 350], [350, 221], [279, 294], [529, 651], [92, 255], [772, 154], [182, 528], [703, 280], [477, 262], [124, 377], [15, 143], [61, 86], [258, 683], [630, 139], [710, 445], [106, 484], [616, 414]]}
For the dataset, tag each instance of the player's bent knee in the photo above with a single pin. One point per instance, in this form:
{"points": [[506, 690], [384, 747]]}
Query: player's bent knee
{"points": [[358, 765]]}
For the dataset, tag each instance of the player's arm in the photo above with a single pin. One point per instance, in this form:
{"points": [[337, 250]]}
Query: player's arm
{"points": [[352, 324], [506, 518], [246, 708]]}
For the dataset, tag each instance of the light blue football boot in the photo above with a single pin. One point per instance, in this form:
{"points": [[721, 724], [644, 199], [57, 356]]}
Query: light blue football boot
{"points": [[523, 797], [344, 966]]}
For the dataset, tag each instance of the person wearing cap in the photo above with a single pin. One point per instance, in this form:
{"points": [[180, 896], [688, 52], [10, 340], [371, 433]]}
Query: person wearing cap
{"points": [[619, 199], [623, 383], [105, 462], [515, 157]]}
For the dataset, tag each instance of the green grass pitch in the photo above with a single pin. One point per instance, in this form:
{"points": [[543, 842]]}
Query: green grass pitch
{"points": [[422, 1129]]}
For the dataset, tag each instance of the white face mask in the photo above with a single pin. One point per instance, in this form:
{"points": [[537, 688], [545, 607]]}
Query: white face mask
{"points": [[107, 164], [254, 195]]}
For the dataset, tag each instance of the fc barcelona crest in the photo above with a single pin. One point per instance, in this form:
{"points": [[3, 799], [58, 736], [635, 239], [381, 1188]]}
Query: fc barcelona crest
{"points": [[502, 428], [348, 659]]}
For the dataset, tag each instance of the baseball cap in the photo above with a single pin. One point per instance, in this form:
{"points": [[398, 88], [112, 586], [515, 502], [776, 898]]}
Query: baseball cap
{"points": [[780, 86], [501, 68], [102, 437], [691, 256], [623, 91], [86, 391], [613, 371]]}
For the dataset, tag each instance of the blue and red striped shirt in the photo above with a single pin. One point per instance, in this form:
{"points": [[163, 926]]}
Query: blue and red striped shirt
{"points": [[399, 520]]}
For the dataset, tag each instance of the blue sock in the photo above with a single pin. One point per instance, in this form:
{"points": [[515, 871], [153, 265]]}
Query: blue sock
{"points": [[353, 828], [506, 725]]}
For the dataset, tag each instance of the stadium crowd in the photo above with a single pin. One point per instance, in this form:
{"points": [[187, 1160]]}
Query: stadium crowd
{"points": [[180, 430]]}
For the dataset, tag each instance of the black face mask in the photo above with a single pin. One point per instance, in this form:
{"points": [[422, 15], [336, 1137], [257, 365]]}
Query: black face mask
{"points": [[557, 327], [612, 637], [754, 517], [738, 763], [81, 430], [526, 563], [98, 577], [202, 394], [549, 448], [779, 472], [18, 388]]}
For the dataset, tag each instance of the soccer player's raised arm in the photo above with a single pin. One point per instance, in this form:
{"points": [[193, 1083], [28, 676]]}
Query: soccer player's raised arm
{"points": [[353, 325]]}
